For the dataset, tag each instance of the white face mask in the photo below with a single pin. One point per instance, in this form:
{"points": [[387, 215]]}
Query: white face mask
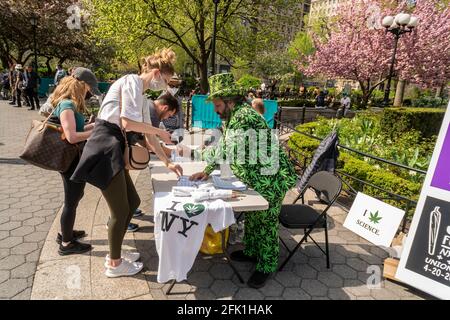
{"points": [[158, 84], [172, 91]]}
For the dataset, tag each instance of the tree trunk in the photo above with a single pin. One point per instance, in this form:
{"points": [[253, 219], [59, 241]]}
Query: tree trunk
{"points": [[139, 65], [365, 99], [204, 87], [49, 68], [366, 92], [5, 62], [439, 91], [399, 93]]}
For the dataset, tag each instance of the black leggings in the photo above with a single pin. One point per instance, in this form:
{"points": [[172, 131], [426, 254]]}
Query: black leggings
{"points": [[73, 192]]}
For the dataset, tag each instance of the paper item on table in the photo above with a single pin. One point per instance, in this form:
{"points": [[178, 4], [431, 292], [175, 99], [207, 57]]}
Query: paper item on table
{"points": [[183, 191], [184, 181], [178, 159], [206, 185], [215, 173], [211, 194], [231, 184]]}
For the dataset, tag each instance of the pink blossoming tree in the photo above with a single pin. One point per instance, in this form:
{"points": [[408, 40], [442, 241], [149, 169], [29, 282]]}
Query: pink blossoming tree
{"points": [[359, 49]]}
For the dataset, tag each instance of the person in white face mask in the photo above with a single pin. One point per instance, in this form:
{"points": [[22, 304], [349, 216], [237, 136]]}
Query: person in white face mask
{"points": [[177, 120], [125, 114]]}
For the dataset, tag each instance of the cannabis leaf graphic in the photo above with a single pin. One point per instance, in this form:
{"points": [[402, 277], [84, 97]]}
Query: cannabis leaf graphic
{"points": [[374, 217], [193, 209]]}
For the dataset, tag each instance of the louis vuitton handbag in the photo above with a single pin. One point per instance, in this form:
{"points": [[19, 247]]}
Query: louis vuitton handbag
{"points": [[46, 146]]}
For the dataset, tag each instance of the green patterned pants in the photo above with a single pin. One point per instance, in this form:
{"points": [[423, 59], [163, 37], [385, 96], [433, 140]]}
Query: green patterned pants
{"points": [[261, 237]]}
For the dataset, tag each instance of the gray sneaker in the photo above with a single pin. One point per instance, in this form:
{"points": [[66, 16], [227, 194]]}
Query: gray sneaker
{"points": [[124, 269]]}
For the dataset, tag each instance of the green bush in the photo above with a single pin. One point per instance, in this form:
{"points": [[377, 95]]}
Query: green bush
{"points": [[377, 98], [396, 121], [428, 102], [248, 82], [379, 177]]}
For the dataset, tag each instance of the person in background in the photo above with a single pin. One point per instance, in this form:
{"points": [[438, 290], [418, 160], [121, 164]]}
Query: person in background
{"points": [[345, 103], [31, 88], [12, 82], [5, 86], [68, 101], [302, 91], [175, 121], [320, 99], [19, 84], [258, 105], [59, 75], [165, 107], [250, 97]]}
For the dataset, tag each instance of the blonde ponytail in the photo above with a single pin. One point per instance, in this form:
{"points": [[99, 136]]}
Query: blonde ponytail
{"points": [[163, 60]]}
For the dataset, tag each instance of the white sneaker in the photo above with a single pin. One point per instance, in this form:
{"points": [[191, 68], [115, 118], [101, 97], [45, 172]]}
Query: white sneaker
{"points": [[124, 269], [129, 256]]}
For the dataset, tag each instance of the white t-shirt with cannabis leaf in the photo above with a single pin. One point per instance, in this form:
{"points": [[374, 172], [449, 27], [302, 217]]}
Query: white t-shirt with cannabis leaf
{"points": [[180, 225]]}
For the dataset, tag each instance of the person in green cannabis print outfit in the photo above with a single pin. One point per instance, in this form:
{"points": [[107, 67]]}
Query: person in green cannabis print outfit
{"points": [[265, 169]]}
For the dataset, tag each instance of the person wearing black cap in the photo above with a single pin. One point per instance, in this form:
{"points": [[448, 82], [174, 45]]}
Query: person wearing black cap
{"points": [[68, 102], [88, 77]]}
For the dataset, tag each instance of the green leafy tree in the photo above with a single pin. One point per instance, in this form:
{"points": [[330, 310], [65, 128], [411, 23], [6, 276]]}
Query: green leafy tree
{"points": [[55, 40], [248, 81], [188, 25]]}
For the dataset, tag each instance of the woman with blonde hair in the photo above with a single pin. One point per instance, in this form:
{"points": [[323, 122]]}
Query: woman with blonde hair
{"points": [[125, 108], [68, 101]]}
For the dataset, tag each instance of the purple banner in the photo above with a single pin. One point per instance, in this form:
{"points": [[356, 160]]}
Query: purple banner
{"points": [[441, 178]]}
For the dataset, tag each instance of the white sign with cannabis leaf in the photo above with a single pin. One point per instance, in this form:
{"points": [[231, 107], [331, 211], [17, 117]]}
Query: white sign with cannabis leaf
{"points": [[373, 220]]}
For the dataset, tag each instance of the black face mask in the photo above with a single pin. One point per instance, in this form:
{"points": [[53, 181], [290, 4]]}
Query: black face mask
{"points": [[88, 95]]}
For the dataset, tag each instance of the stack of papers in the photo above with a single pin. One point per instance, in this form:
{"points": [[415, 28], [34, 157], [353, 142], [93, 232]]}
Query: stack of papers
{"points": [[231, 184], [184, 181]]}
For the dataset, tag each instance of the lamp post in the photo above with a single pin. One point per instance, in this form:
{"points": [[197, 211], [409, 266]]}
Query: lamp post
{"points": [[34, 22], [213, 47], [400, 24]]}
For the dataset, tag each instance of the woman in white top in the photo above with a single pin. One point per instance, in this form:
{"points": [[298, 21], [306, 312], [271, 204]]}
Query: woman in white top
{"points": [[125, 106]]}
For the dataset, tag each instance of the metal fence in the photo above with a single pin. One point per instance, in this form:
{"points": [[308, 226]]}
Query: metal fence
{"points": [[301, 161]]}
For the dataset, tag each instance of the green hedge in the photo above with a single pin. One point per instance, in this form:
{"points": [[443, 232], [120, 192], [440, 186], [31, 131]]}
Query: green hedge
{"points": [[348, 163], [379, 177], [396, 121], [297, 103]]}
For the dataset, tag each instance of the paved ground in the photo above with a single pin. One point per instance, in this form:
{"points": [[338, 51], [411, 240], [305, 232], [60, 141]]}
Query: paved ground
{"points": [[305, 277], [29, 200]]}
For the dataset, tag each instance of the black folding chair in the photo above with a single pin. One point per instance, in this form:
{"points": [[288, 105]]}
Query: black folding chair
{"points": [[301, 216]]}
